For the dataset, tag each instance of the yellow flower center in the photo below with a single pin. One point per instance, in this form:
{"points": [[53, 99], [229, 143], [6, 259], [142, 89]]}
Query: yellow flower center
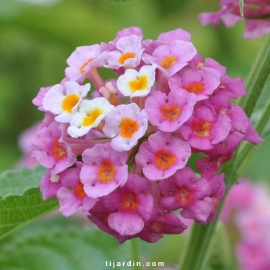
{"points": [[139, 84], [92, 117], [69, 102], [126, 56]]}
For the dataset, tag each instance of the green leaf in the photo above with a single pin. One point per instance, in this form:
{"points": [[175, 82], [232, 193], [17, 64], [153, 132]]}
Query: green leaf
{"points": [[17, 182], [16, 211], [72, 247]]}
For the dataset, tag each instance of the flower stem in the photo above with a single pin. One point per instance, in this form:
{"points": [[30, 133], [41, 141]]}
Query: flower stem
{"points": [[134, 245], [257, 78], [196, 252], [241, 4]]}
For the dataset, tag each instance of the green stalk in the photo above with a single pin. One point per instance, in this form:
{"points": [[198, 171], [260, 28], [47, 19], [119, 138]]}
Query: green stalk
{"points": [[241, 4], [134, 246], [197, 248], [257, 78]]}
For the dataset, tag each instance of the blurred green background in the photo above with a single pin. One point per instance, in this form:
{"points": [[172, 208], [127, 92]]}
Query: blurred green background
{"points": [[37, 36]]}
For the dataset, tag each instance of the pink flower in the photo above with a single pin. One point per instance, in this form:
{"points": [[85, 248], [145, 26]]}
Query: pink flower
{"points": [[170, 58], [126, 124], [253, 256], [104, 170], [82, 60], [217, 191], [247, 212], [71, 195], [126, 32], [177, 34], [232, 87], [128, 53], [201, 82], [131, 206], [50, 151], [168, 113], [160, 223], [218, 155], [99, 216], [183, 190], [200, 63], [162, 155], [256, 14], [50, 184], [204, 129]]}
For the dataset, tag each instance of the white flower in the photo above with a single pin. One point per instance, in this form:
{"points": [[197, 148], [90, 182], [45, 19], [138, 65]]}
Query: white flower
{"points": [[90, 114], [63, 100], [137, 84]]}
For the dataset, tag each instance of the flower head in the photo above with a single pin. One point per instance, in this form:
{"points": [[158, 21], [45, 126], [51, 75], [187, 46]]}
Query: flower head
{"points": [[122, 153]]}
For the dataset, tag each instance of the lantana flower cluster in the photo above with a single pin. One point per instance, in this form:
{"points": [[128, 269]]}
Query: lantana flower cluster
{"points": [[123, 150], [246, 213], [256, 16]]}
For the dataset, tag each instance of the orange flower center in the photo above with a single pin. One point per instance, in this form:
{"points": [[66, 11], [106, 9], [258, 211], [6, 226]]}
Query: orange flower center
{"points": [[168, 62], [85, 64], [200, 65], [106, 172], [58, 151], [129, 202], [79, 191], [164, 159], [92, 117], [69, 102], [171, 112], [128, 127], [185, 197], [139, 84], [157, 227], [201, 128], [194, 87], [126, 56]]}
